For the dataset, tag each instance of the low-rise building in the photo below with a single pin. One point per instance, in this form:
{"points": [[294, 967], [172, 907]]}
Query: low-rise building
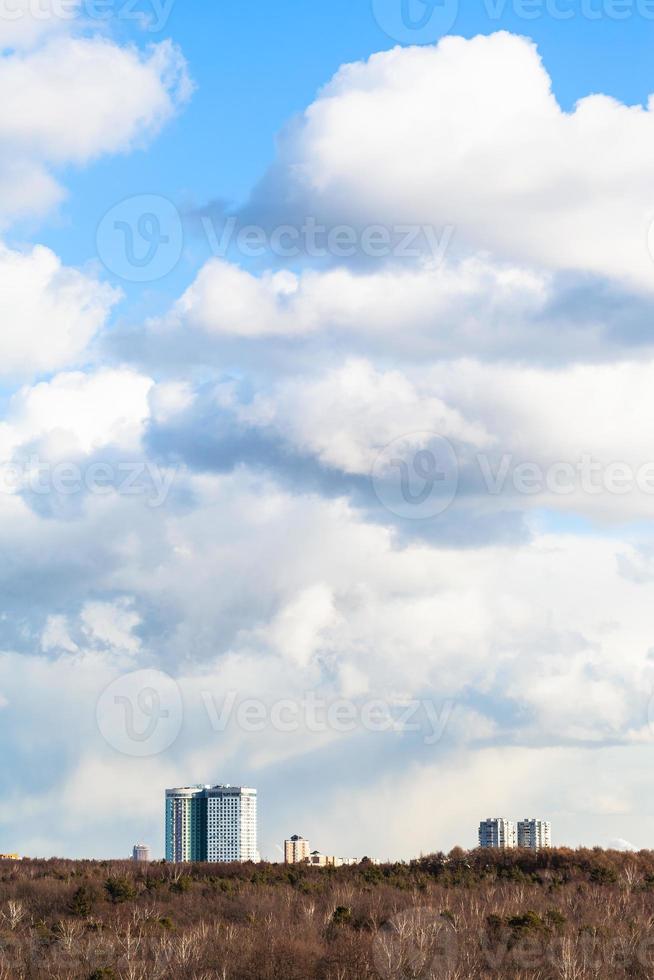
{"points": [[296, 849], [324, 860], [141, 853], [320, 860]]}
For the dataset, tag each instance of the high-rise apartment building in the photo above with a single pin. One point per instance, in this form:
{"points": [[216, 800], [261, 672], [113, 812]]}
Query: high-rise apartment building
{"points": [[211, 823], [231, 824], [186, 824], [535, 834], [497, 832], [296, 850]]}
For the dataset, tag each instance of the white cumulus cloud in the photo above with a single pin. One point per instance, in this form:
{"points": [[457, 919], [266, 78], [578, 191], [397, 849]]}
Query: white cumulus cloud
{"points": [[66, 79], [78, 413], [469, 133], [49, 312]]}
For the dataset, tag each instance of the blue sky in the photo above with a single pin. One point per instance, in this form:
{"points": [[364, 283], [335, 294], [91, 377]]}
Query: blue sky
{"points": [[387, 472]]}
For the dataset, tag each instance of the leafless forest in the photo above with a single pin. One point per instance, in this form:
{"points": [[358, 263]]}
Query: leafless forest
{"points": [[560, 914]]}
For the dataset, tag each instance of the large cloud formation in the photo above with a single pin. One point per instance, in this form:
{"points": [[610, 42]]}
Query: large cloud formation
{"points": [[253, 555], [469, 133]]}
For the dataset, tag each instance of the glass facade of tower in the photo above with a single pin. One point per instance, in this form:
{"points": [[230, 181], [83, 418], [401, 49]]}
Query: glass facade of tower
{"points": [[186, 824]]}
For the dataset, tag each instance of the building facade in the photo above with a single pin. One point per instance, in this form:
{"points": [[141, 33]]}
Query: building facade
{"points": [[497, 832], [296, 850], [535, 834], [324, 860], [211, 823], [186, 824], [141, 853], [231, 824]]}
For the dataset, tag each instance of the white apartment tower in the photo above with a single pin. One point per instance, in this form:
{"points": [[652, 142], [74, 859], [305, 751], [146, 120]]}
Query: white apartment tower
{"points": [[497, 832], [232, 824], [296, 850], [535, 834]]}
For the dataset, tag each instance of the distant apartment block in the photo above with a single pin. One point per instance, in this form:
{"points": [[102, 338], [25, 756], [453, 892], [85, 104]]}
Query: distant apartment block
{"points": [[296, 850], [324, 860], [535, 834], [497, 832], [211, 823], [141, 853], [10, 857]]}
